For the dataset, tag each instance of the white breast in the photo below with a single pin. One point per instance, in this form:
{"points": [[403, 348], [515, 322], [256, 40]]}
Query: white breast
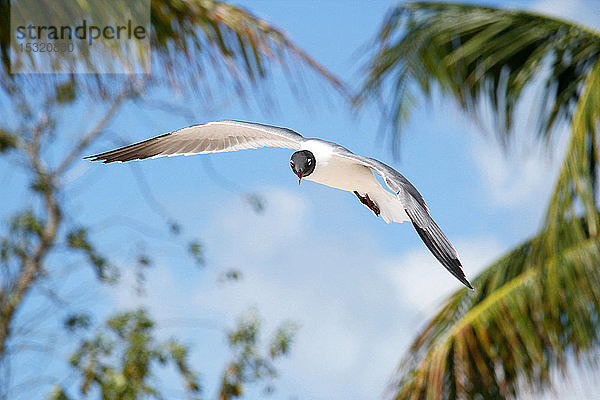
{"points": [[338, 172], [342, 173]]}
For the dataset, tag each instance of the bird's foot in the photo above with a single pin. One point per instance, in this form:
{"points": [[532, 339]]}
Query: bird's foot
{"points": [[368, 202]]}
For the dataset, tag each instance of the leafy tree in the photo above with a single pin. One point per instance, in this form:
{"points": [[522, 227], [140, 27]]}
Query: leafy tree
{"points": [[248, 365], [36, 241], [118, 359], [538, 305]]}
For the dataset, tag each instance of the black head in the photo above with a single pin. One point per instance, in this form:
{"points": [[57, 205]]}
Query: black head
{"points": [[303, 163]]}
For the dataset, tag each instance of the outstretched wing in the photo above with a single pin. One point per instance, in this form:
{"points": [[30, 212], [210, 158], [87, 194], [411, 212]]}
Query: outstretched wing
{"points": [[211, 137], [417, 211]]}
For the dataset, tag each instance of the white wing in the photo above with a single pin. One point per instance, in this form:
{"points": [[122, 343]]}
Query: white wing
{"points": [[211, 137]]}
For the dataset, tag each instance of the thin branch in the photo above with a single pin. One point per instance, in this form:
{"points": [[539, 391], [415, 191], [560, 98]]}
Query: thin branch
{"points": [[30, 267], [92, 134]]}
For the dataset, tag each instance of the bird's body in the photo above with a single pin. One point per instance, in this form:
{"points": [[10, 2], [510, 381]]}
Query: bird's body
{"points": [[335, 171], [315, 160], [343, 173]]}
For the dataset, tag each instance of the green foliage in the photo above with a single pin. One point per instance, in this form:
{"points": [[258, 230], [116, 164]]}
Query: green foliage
{"points": [[144, 261], [196, 250], [5, 248], [77, 239], [540, 303], [248, 365], [119, 359], [230, 36], [282, 340], [8, 140], [26, 224], [231, 275], [66, 92], [24, 230], [191, 39], [480, 55], [75, 322], [42, 184], [530, 311], [576, 186], [58, 394]]}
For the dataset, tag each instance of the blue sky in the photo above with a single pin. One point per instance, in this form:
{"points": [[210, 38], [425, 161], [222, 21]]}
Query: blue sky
{"points": [[358, 288]]}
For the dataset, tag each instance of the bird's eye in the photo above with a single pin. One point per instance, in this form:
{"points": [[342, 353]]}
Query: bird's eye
{"points": [[292, 163], [309, 161]]}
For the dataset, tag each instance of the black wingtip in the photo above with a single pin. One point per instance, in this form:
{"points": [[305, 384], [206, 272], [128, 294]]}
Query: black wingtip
{"points": [[441, 248], [465, 282], [455, 268]]}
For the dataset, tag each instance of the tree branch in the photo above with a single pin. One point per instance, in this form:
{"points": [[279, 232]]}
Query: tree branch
{"points": [[31, 265], [31, 262], [92, 134]]}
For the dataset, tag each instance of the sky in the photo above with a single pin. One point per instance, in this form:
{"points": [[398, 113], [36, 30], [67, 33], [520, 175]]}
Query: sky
{"points": [[358, 289]]}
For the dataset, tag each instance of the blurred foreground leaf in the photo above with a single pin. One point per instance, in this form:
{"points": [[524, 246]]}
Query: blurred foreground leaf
{"points": [[248, 364], [120, 358]]}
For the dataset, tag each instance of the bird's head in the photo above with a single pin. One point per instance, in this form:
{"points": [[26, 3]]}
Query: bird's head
{"points": [[303, 163]]}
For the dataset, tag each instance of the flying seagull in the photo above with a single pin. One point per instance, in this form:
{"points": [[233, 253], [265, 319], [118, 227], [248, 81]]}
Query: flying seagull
{"points": [[314, 160]]}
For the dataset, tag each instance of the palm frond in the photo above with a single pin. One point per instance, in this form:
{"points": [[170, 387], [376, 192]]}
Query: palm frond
{"points": [[193, 41], [576, 186], [480, 55], [211, 35], [526, 317], [539, 304]]}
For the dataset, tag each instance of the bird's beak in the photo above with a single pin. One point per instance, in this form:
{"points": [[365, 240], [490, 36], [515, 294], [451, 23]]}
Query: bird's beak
{"points": [[299, 177]]}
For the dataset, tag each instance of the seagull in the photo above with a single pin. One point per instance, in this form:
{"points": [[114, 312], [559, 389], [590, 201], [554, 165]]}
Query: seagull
{"points": [[315, 160]]}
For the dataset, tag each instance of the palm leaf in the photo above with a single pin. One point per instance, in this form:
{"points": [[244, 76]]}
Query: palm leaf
{"points": [[480, 55], [539, 304], [192, 42], [526, 317]]}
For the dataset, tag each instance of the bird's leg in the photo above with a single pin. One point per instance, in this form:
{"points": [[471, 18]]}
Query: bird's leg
{"points": [[371, 204], [368, 202], [361, 198]]}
